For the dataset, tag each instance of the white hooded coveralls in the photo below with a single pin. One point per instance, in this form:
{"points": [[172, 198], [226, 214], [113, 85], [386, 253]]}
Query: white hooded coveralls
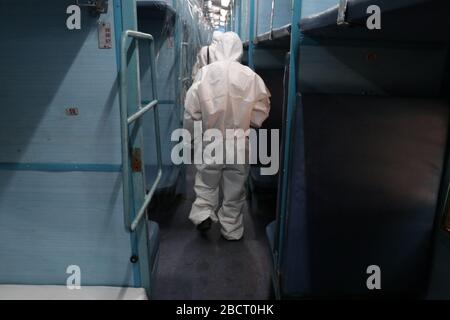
{"points": [[225, 95], [207, 55]]}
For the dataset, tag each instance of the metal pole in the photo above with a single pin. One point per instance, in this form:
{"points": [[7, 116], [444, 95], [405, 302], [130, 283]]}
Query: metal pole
{"points": [[239, 17], [290, 114], [142, 111], [124, 130], [251, 45]]}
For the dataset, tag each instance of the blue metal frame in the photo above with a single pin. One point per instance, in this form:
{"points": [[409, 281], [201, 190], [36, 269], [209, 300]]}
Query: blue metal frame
{"points": [[178, 54], [290, 112], [128, 20], [117, 28], [238, 10]]}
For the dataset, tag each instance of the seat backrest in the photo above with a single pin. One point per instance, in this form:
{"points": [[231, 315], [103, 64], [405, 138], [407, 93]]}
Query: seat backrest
{"points": [[365, 178]]}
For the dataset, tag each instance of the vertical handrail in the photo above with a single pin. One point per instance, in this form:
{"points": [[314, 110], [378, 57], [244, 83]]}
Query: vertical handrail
{"points": [[256, 18], [126, 120], [183, 77], [272, 15], [239, 17], [179, 38], [290, 114], [251, 35]]}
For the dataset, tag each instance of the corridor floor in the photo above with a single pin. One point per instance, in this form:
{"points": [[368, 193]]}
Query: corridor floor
{"points": [[192, 266]]}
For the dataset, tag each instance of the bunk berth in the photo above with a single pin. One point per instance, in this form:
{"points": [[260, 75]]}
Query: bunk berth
{"points": [[264, 187], [273, 24], [271, 45], [62, 202], [370, 137], [415, 21], [159, 19], [363, 61], [276, 38]]}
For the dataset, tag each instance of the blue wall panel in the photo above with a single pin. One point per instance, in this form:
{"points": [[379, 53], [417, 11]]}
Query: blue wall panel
{"points": [[264, 12], [45, 69], [282, 13], [49, 221], [311, 7]]}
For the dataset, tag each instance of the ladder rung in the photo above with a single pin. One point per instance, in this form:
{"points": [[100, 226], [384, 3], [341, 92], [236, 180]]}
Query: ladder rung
{"points": [[142, 111]]}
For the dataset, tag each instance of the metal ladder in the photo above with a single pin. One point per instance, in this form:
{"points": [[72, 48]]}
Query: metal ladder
{"points": [[126, 120]]}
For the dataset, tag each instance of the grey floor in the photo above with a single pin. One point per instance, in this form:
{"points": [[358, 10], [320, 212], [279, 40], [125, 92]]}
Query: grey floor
{"points": [[192, 266]]}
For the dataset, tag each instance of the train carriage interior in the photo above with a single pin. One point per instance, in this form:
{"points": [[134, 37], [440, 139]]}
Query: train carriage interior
{"points": [[92, 92]]}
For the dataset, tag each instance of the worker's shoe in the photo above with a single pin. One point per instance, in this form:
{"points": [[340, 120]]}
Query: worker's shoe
{"points": [[205, 225], [231, 239]]}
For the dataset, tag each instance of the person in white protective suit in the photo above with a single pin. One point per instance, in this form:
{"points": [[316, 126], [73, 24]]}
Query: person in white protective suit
{"points": [[207, 54], [225, 95]]}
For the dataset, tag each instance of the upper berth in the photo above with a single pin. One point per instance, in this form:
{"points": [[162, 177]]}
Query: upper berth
{"points": [[422, 21], [154, 8], [401, 20]]}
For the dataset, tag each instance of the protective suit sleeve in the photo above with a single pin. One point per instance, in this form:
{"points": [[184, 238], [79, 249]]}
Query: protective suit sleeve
{"points": [[200, 62], [192, 110], [261, 107], [195, 69]]}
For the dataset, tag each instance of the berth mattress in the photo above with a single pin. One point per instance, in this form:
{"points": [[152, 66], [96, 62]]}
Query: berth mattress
{"points": [[36, 292]]}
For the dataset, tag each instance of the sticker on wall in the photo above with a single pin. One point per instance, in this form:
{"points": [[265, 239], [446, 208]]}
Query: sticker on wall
{"points": [[72, 112], [104, 35]]}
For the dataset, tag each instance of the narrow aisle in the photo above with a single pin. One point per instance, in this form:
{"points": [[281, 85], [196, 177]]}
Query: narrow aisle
{"points": [[196, 267]]}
